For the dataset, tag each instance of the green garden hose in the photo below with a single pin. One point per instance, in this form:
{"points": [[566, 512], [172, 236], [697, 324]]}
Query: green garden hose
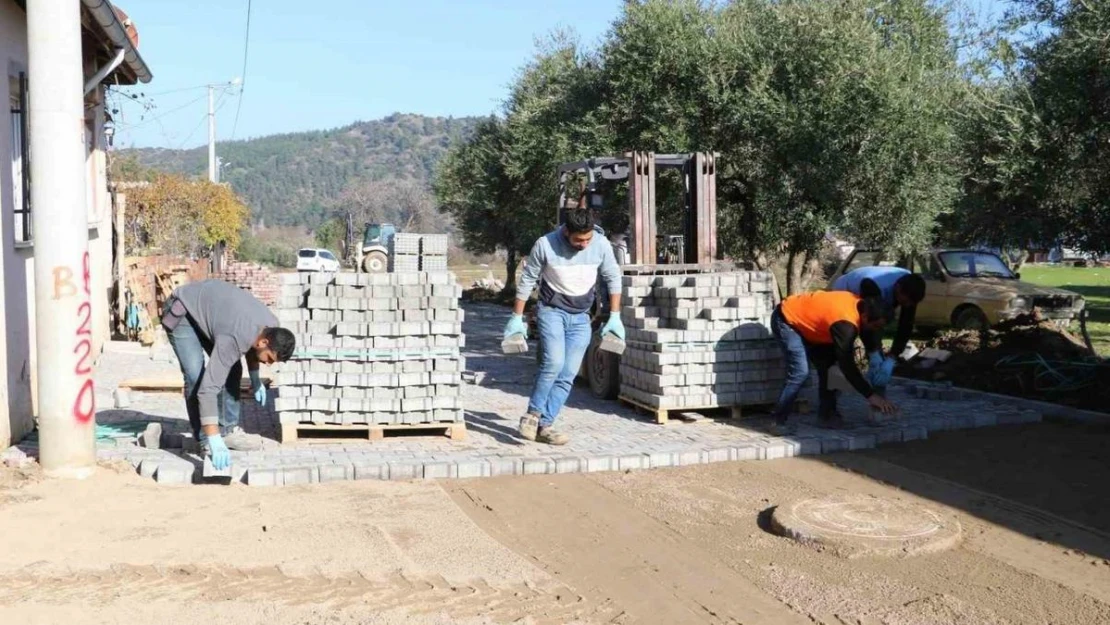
{"points": [[1053, 376]]}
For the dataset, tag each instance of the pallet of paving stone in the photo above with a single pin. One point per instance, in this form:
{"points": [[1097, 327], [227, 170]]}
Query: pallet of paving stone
{"points": [[330, 433], [699, 340], [372, 350]]}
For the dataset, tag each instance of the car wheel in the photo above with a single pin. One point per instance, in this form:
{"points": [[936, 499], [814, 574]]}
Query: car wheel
{"points": [[971, 318]]}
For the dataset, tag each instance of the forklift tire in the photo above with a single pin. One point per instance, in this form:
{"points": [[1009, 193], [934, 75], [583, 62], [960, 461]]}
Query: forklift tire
{"points": [[375, 262], [603, 372]]}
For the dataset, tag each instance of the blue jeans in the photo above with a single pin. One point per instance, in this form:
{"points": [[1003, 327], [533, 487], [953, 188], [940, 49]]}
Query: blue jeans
{"points": [[190, 347], [797, 364], [564, 337]]}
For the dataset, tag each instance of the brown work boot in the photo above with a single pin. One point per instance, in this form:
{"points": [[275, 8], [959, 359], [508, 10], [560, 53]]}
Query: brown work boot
{"points": [[551, 436], [529, 423]]}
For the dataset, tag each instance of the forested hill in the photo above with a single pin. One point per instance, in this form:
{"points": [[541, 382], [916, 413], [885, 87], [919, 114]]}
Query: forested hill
{"points": [[291, 179]]}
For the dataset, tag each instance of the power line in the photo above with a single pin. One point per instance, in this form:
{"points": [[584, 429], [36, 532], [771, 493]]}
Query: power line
{"points": [[243, 74], [220, 102], [177, 90], [159, 117]]}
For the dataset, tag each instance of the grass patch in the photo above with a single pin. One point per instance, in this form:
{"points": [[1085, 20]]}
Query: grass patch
{"points": [[1093, 283]]}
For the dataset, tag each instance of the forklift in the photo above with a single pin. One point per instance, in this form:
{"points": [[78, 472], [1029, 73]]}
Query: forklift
{"points": [[371, 255], [692, 251]]}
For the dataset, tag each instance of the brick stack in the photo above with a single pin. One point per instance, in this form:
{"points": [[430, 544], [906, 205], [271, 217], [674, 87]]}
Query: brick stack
{"points": [[258, 280], [371, 349], [418, 252], [700, 341]]}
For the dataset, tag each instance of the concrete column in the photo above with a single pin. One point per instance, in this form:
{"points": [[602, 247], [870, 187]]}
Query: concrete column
{"points": [[63, 309]]}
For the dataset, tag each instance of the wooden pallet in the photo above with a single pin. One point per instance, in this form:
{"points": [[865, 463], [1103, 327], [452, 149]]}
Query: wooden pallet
{"points": [[663, 415], [329, 433], [172, 383]]}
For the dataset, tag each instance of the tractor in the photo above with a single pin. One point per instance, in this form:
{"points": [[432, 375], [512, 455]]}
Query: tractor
{"points": [[635, 250], [372, 256]]}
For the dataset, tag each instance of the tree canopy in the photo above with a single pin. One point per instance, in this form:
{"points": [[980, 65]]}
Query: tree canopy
{"points": [[827, 117], [180, 216], [1038, 140]]}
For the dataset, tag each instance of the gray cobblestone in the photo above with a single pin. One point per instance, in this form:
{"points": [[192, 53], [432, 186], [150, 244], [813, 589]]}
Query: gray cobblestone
{"points": [[538, 467], [265, 477], [175, 473], [403, 471], [369, 471], [440, 470], [304, 474], [605, 435], [473, 468], [336, 472]]}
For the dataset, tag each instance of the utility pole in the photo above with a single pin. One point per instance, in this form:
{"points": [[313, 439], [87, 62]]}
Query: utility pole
{"points": [[213, 163], [63, 309], [213, 168]]}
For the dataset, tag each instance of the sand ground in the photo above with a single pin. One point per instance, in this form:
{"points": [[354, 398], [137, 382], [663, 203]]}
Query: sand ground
{"points": [[685, 545]]}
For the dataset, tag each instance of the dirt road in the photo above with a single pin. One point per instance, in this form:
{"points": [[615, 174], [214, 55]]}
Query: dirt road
{"points": [[685, 545], [120, 549]]}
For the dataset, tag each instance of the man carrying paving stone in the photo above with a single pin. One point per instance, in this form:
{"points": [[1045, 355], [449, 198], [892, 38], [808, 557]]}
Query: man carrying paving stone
{"points": [[897, 288], [823, 327], [225, 322], [569, 261]]}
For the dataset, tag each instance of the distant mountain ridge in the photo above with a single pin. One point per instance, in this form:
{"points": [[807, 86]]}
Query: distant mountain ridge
{"points": [[290, 179]]}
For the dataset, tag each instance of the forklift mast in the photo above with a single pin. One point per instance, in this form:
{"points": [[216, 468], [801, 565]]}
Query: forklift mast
{"points": [[699, 170]]}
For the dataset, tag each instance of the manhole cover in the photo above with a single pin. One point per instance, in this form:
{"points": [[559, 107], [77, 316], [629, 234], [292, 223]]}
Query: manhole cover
{"points": [[861, 525]]}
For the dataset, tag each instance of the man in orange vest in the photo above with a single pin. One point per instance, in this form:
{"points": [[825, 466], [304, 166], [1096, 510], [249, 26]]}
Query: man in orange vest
{"points": [[823, 327]]}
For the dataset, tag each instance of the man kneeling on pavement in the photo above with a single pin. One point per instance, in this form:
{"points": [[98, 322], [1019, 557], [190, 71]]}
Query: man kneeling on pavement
{"points": [[569, 261], [822, 327], [226, 323]]}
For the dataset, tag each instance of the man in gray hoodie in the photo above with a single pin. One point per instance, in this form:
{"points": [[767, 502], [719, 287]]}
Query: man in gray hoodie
{"points": [[226, 323]]}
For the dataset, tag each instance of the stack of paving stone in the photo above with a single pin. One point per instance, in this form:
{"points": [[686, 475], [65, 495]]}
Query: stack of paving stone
{"points": [[418, 252], [256, 279], [700, 341], [371, 349]]}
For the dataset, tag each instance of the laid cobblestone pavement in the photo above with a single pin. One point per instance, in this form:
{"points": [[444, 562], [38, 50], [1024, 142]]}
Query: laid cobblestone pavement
{"points": [[605, 435]]}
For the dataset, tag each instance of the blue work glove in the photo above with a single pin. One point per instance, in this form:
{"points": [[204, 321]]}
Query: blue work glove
{"points": [[217, 448], [516, 325], [888, 370], [880, 375], [258, 388], [614, 327], [874, 362]]}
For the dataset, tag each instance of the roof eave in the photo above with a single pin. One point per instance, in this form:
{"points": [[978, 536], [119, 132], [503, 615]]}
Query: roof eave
{"points": [[104, 18]]}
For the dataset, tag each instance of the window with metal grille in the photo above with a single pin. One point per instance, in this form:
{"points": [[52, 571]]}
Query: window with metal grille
{"points": [[21, 163]]}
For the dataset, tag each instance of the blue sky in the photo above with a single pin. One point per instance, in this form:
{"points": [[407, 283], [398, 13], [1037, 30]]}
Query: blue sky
{"points": [[327, 63]]}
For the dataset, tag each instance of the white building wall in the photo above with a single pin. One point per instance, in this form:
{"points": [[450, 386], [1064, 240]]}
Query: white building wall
{"points": [[17, 294], [16, 265]]}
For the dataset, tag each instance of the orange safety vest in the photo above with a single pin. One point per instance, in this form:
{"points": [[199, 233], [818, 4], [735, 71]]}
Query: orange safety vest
{"points": [[813, 314]]}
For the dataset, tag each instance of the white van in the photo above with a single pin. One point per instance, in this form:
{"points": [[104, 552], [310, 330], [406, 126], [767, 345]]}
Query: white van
{"points": [[311, 259]]}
